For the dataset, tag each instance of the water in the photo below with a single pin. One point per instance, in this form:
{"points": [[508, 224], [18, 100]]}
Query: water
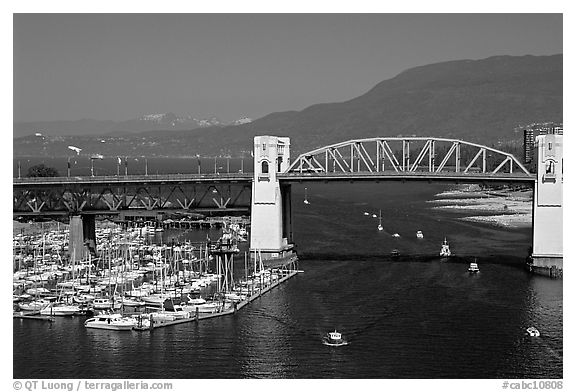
{"points": [[412, 317]]}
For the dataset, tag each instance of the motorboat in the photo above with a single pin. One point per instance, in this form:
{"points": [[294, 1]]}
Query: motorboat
{"points": [[374, 216], [419, 234], [104, 303], [306, 196], [532, 331], [334, 339], [366, 213], [113, 322], [380, 228], [445, 250], [396, 235], [395, 253], [473, 268]]}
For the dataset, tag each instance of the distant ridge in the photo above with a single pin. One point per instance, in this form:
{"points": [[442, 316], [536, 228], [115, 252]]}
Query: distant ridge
{"points": [[475, 100]]}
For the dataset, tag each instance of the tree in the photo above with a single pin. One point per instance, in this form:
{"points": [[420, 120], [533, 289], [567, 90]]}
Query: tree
{"points": [[42, 171]]}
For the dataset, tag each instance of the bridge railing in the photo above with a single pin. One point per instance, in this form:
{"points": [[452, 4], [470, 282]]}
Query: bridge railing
{"points": [[134, 178]]}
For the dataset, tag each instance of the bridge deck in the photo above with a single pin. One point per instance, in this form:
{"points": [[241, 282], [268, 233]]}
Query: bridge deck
{"points": [[132, 179], [451, 177], [294, 176]]}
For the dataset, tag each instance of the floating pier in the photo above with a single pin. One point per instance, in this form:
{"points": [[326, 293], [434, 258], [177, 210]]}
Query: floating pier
{"points": [[159, 323], [32, 316]]}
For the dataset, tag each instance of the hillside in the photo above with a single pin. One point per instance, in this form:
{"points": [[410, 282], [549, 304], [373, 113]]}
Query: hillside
{"points": [[475, 100]]}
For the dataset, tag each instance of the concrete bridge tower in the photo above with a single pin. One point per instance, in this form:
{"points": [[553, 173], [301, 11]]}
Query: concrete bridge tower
{"points": [[271, 227], [547, 252]]}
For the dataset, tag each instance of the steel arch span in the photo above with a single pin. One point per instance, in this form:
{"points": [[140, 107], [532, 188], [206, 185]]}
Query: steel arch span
{"points": [[404, 155]]}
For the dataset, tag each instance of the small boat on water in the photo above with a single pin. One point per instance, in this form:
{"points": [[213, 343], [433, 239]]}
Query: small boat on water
{"points": [[55, 309], [113, 322], [473, 268], [532, 331], [419, 234], [396, 235], [334, 339], [105, 303], [445, 250], [380, 228], [35, 305], [366, 213], [306, 196], [395, 253]]}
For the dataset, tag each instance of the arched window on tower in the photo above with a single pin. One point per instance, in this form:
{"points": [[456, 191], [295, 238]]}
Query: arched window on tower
{"points": [[264, 167]]}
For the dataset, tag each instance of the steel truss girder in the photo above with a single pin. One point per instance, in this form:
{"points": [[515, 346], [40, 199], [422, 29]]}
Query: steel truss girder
{"points": [[377, 154], [70, 198]]}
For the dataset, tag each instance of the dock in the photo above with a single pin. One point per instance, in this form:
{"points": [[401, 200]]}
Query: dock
{"points": [[230, 311], [32, 316]]}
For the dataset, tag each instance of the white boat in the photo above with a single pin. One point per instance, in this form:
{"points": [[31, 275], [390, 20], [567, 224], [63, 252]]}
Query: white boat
{"points": [[445, 250], [334, 339], [38, 291], [155, 299], [113, 322], [234, 296], [132, 302], [419, 234], [34, 305], [374, 216], [396, 235], [366, 213], [83, 298], [60, 310], [105, 303], [532, 331], [196, 301], [473, 268], [306, 196], [208, 307], [380, 228]]}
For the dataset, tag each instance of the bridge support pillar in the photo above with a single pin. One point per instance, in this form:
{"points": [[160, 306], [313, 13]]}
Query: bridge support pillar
{"points": [[89, 231], [76, 239], [547, 251], [82, 236], [270, 216]]}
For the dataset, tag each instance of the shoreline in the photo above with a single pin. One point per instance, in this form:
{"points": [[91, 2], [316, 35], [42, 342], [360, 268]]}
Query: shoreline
{"points": [[502, 208]]}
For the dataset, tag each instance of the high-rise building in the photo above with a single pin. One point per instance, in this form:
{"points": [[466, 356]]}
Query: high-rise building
{"points": [[536, 129]]}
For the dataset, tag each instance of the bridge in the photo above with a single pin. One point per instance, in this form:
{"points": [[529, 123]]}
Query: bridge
{"points": [[266, 193]]}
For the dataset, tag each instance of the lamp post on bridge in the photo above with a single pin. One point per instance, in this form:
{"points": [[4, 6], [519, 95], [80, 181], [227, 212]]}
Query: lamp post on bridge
{"points": [[92, 158]]}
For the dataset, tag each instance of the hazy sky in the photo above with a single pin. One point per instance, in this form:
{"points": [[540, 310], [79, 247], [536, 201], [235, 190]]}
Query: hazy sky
{"points": [[121, 66]]}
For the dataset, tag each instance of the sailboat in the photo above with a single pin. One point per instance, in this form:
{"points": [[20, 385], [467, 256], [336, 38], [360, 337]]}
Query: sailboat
{"points": [[380, 228], [306, 196]]}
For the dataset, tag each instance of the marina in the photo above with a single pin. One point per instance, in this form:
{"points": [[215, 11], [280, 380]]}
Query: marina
{"points": [[136, 283]]}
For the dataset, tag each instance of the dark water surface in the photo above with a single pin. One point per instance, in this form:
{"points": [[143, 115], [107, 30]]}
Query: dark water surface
{"points": [[412, 317]]}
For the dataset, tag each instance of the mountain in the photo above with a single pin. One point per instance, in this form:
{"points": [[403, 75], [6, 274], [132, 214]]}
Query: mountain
{"points": [[146, 123], [483, 101]]}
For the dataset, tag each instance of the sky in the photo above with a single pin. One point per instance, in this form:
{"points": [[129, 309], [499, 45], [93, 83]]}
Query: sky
{"points": [[122, 66]]}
